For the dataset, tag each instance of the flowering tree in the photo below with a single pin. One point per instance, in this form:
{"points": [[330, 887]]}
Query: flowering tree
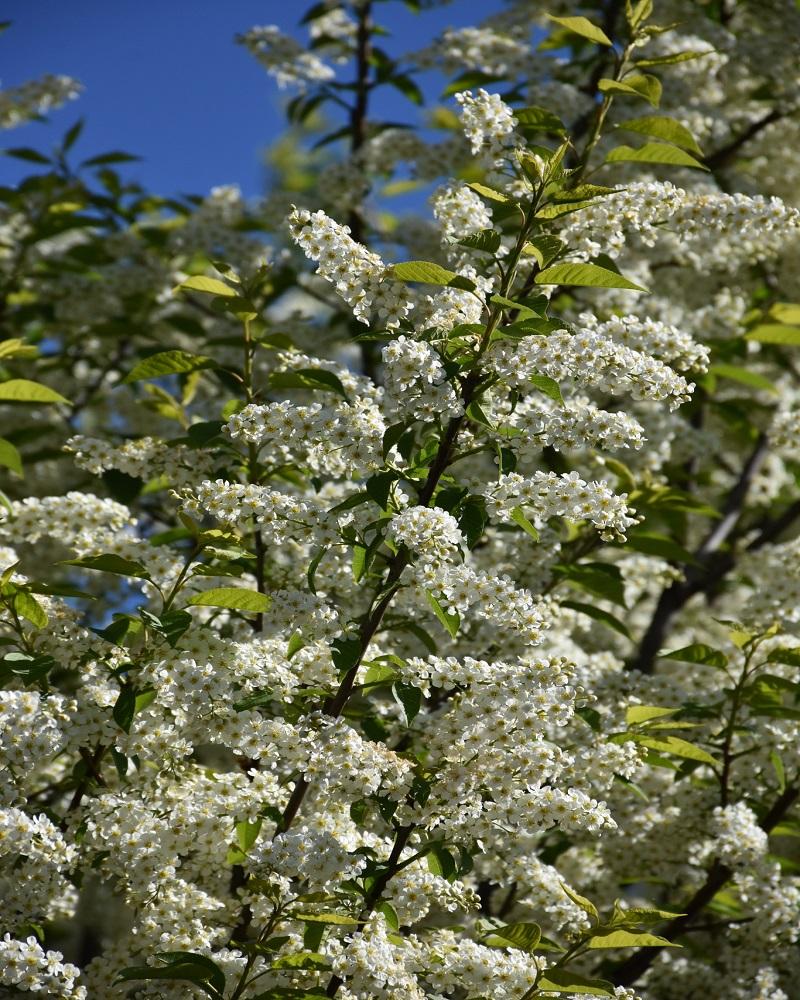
{"points": [[420, 622]]}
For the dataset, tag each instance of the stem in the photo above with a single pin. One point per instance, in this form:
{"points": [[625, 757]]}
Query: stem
{"points": [[335, 705], [730, 728], [373, 897]]}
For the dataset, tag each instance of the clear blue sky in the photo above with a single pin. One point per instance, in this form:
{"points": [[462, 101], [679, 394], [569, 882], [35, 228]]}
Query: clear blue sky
{"points": [[164, 79]]}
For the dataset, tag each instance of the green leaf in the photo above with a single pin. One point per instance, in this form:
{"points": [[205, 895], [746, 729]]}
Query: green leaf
{"points": [[585, 904], [548, 386], [599, 615], [698, 652], [664, 128], [582, 26], [308, 378], [476, 412], [407, 88], [15, 347], [670, 60], [566, 981], [791, 657], [109, 562], [522, 936], [539, 119], [10, 457], [668, 745], [338, 919], [440, 861], [544, 248], [518, 517], [585, 275], [125, 708], [767, 333], [629, 939], [212, 286], [780, 772], [654, 152], [235, 598], [27, 607], [659, 545], [410, 698], [423, 271], [22, 390], [184, 966], [644, 713], [358, 563], [168, 363], [247, 834], [346, 653], [488, 192], [785, 312], [302, 960], [451, 621], [601, 579], [487, 240], [637, 85], [744, 376], [27, 154], [105, 159]]}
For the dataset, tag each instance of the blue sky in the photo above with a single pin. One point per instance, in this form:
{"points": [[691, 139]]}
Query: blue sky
{"points": [[164, 80]]}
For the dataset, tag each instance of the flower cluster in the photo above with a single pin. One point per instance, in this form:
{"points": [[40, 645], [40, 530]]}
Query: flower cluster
{"points": [[488, 122], [285, 58], [36, 97], [359, 276], [546, 495]]}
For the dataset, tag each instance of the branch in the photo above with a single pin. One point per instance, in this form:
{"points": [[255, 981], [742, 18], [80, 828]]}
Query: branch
{"points": [[718, 875], [724, 155], [711, 568]]}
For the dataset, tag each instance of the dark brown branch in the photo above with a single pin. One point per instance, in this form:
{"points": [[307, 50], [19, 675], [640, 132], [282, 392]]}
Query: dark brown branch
{"points": [[718, 875], [711, 565], [723, 156]]}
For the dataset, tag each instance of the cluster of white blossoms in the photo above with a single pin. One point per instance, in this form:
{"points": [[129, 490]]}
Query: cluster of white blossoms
{"points": [[280, 514], [432, 534], [773, 575], [73, 516], [337, 440], [662, 340], [144, 458], [546, 494], [415, 383], [537, 422], [460, 211], [35, 860], [26, 967], [359, 276], [36, 97], [374, 965], [306, 855], [480, 596], [738, 839], [285, 58], [488, 123], [341, 761], [732, 227], [478, 48], [591, 359], [29, 733], [784, 431]]}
